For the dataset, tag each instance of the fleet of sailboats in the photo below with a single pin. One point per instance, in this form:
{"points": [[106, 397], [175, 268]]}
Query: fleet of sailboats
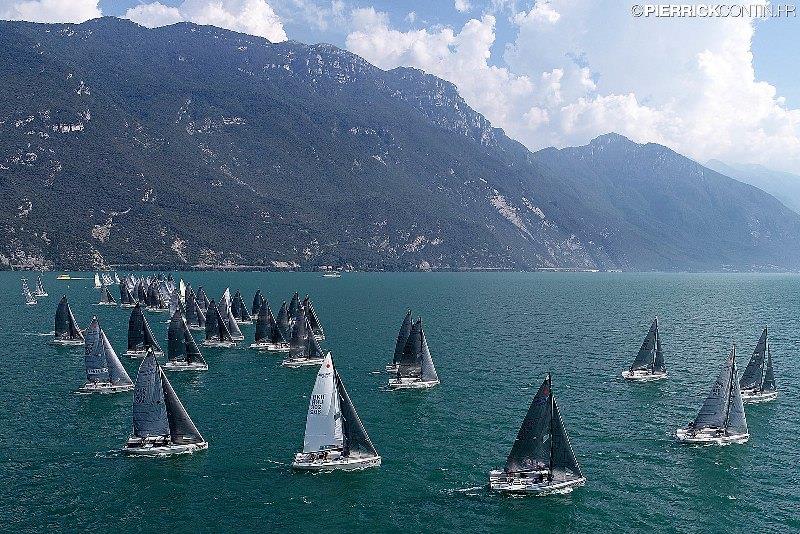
{"points": [[161, 425], [541, 460], [649, 363], [335, 437], [721, 420], [104, 371], [415, 369], [758, 379]]}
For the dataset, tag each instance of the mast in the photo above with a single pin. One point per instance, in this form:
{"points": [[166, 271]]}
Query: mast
{"points": [[730, 388], [552, 411]]}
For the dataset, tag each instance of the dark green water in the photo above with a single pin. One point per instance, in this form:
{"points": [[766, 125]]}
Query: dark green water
{"points": [[493, 337]]}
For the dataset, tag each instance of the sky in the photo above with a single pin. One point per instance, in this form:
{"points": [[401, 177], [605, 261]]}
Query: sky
{"points": [[550, 73]]}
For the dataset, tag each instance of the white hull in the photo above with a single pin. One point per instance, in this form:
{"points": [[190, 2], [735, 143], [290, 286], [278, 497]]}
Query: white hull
{"points": [[411, 383], [197, 328], [142, 353], [500, 481], [40, 295], [643, 376], [128, 305], [750, 396], [237, 338], [709, 436], [239, 321], [319, 337], [94, 387], [158, 448], [68, 342], [183, 366], [33, 303], [157, 310], [301, 362], [271, 347], [391, 368], [304, 462], [218, 344], [106, 303]]}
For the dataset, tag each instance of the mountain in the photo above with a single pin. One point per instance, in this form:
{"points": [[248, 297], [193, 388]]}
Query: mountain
{"points": [[782, 185], [192, 146]]}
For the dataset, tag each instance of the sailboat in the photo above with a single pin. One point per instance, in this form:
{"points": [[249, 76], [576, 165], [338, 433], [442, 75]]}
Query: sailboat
{"points": [[104, 371], [67, 332], [541, 460], [649, 363], [126, 298], [258, 300], [195, 317], [106, 299], [294, 306], [227, 315], [402, 338], [116, 278], [335, 437], [283, 321], [721, 420], [313, 320], [30, 300], [239, 310], [268, 336], [758, 379], [161, 425], [415, 369], [182, 350], [39, 292], [304, 349], [140, 335], [217, 333], [97, 283], [202, 299]]}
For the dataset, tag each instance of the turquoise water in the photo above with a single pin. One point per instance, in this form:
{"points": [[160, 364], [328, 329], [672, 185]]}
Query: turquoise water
{"points": [[493, 337]]}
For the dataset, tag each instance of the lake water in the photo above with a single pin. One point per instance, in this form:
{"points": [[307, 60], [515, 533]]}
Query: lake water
{"points": [[493, 337]]}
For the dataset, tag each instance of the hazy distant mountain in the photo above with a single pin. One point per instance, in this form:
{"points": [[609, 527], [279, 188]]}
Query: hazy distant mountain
{"points": [[782, 185], [196, 146]]}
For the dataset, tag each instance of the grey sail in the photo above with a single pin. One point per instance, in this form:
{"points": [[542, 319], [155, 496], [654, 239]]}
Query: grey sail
{"points": [[313, 320], [141, 293], [563, 465], [181, 428], [106, 296], [354, 433], [94, 356], [136, 328], [202, 299], [191, 307], [262, 325], [116, 372], [216, 326], [531, 449], [659, 366], [65, 325], [714, 411], [402, 337], [427, 371], [736, 421], [769, 374], [125, 296], [283, 321], [149, 337], [294, 305], [298, 346], [201, 316], [257, 298], [274, 333], [410, 363], [239, 309], [176, 346], [313, 350], [753, 374], [646, 357], [193, 354], [149, 408]]}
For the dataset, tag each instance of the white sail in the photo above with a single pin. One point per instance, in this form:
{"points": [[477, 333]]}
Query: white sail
{"points": [[324, 419], [182, 289], [97, 283]]}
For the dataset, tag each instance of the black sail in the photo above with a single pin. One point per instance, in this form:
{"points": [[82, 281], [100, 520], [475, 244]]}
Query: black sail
{"points": [[105, 296], [136, 329], [149, 338], [714, 412], [216, 327], [531, 449], [65, 325], [298, 346], [646, 357], [125, 296], [193, 354], [240, 310], [753, 374], [202, 299], [176, 346], [659, 366], [355, 435], [769, 374], [563, 465], [254, 311], [313, 320], [181, 427], [262, 325], [274, 332], [283, 321], [191, 307], [402, 337], [410, 363], [294, 305]]}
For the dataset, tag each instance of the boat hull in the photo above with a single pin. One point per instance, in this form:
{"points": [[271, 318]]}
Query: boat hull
{"points": [[183, 366], [709, 437], [500, 481], [128, 305], [240, 321], [270, 347], [106, 303], [411, 383], [218, 344], [154, 449], [343, 463], [304, 362], [67, 342], [319, 337], [142, 353], [750, 396], [40, 295], [93, 387], [197, 328], [643, 376], [391, 368]]}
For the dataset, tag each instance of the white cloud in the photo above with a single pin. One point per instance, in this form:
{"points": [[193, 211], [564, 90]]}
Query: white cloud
{"points": [[254, 17], [49, 10], [463, 6], [576, 70]]}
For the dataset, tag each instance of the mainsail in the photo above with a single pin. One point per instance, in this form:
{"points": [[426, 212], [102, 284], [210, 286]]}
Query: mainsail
{"points": [[26, 292], [409, 365], [324, 421], [650, 356], [202, 299], [257, 298], [181, 345], [283, 321], [402, 337], [105, 296], [723, 407], [66, 327], [102, 362], [542, 441], [149, 409], [40, 291], [313, 320], [239, 309], [266, 327], [753, 375], [294, 305], [769, 374], [227, 315], [140, 336], [125, 295], [216, 326]]}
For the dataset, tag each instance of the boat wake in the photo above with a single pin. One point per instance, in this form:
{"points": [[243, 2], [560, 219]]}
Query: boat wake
{"points": [[472, 490]]}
